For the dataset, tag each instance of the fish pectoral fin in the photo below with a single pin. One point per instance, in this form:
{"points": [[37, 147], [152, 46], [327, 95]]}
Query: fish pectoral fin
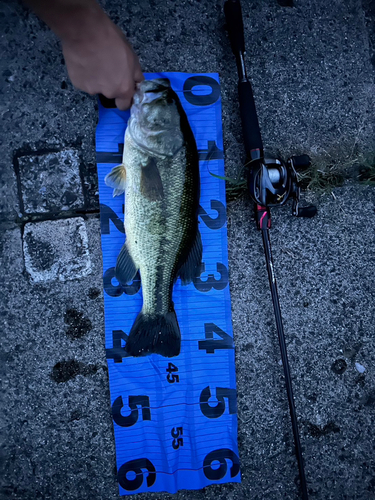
{"points": [[189, 269], [116, 179], [151, 184], [125, 267]]}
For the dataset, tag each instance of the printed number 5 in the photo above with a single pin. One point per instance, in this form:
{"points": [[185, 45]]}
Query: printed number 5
{"points": [[178, 441], [172, 378]]}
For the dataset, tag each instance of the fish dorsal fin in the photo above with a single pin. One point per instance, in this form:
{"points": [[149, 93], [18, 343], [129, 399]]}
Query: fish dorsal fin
{"points": [[116, 179], [188, 270], [151, 184], [125, 267]]}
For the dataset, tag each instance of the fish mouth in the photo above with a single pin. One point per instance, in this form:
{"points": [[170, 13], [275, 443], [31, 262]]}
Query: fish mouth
{"points": [[154, 123], [156, 85], [150, 91]]}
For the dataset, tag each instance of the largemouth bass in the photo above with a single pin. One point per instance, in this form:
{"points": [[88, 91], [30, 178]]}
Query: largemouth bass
{"points": [[160, 178]]}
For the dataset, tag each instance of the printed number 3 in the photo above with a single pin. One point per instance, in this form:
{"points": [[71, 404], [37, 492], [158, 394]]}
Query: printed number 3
{"points": [[178, 441]]}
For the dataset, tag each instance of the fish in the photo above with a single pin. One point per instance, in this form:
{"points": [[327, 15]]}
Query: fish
{"points": [[159, 175]]}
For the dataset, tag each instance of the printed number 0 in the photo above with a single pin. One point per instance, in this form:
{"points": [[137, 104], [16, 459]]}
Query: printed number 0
{"points": [[201, 100]]}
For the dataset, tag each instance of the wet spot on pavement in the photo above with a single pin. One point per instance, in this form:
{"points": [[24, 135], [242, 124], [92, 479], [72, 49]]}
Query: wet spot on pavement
{"points": [[67, 370], [79, 325]]}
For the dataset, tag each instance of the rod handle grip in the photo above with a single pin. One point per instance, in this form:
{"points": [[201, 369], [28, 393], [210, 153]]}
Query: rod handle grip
{"points": [[249, 118], [233, 15]]}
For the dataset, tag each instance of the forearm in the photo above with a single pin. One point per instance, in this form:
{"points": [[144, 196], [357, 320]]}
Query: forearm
{"points": [[98, 58], [70, 20]]}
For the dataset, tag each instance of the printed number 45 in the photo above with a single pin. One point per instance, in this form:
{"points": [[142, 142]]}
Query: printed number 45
{"points": [[172, 377], [177, 441]]}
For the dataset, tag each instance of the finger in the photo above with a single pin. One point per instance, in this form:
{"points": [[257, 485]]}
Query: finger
{"points": [[123, 103], [138, 74]]}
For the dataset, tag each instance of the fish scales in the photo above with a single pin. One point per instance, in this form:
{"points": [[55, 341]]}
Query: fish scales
{"points": [[155, 228]]}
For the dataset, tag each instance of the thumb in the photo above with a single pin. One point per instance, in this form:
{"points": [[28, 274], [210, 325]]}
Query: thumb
{"points": [[123, 103], [138, 75]]}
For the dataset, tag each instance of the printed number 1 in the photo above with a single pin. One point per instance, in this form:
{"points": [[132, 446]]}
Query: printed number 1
{"points": [[177, 441], [171, 377]]}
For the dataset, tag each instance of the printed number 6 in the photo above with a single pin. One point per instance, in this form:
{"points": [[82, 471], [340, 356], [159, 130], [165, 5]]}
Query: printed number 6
{"points": [[136, 467]]}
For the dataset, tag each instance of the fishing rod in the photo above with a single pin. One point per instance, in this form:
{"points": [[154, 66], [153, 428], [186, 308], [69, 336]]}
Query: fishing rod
{"points": [[271, 182]]}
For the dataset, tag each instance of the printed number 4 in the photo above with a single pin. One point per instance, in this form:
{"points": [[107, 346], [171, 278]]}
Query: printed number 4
{"points": [[177, 441], [171, 377]]}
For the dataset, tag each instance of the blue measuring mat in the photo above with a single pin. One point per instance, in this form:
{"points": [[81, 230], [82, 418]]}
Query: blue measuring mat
{"points": [[175, 419]]}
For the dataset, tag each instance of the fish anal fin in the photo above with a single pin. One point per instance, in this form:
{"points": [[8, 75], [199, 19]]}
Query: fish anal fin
{"points": [[189, 268], [151, 184], [125, 267], [116, 179]]}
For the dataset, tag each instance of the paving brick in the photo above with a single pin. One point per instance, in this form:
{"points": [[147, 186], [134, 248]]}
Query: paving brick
{"points": [[56, 250], [51, 182]]}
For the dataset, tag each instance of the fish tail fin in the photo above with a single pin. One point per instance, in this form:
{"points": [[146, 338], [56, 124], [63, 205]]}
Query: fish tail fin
{"points": [[154, 334]]}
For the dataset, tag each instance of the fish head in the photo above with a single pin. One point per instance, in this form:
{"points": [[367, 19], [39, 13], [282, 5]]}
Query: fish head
{"points": [[155, 118]]}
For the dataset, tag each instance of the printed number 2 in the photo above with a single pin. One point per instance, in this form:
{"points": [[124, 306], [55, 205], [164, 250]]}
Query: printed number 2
{"points": [[171, 377], [177, 441]]}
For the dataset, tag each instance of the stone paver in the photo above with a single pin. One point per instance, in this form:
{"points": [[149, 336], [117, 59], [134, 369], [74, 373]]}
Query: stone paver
{"points": [[56, 250], [51, 182]]}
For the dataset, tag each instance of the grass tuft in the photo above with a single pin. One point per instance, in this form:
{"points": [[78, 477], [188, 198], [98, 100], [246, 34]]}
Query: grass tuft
{"points": [[320, 176]]}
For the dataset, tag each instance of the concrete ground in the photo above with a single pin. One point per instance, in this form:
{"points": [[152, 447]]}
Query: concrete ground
{"points": [[312, 68]]}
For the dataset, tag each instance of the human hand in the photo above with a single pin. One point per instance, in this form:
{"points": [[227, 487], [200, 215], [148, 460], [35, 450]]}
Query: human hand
{"points": [[101, 61]]}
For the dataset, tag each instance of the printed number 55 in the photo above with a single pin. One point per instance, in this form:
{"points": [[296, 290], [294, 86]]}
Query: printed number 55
{"points": [[178, 441]]}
